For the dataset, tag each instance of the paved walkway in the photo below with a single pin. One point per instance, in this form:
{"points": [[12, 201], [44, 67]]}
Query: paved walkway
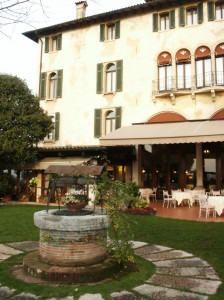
{"points": [[179, 275]]}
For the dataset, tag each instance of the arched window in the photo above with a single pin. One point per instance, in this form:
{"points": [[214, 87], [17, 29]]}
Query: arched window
{"points": [[183, 63], [52, 86], [203, 67], [165, 71], [219, 64], [110, 78], [109, 121]]}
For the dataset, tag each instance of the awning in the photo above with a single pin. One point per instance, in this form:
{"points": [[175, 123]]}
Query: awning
{"points": [[166, 133], [47, 161], [78, 170]]}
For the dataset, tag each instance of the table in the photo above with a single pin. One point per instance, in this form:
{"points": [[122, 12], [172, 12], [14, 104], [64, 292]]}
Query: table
{"points": [[180, 196], [218, 202]]}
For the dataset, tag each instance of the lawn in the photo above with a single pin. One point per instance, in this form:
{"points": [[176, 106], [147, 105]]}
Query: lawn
{"points": [[203, 239]]}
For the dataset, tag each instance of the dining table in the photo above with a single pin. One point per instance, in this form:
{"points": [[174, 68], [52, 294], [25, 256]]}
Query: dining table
{"points": [[180, 196], [217, 202]]}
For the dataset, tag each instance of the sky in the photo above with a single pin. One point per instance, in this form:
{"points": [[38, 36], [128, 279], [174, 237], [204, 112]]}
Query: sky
{"points": [[19, 55]]}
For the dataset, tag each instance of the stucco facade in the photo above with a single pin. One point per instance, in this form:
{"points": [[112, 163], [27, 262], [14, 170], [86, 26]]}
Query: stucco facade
{"points": [[137, 48]]}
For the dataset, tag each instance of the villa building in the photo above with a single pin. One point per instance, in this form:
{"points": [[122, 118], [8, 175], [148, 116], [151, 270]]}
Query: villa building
{"points": [[142, 87]]}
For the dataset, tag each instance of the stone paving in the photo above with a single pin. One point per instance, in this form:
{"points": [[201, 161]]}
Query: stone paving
{"points": [[179, 276]]}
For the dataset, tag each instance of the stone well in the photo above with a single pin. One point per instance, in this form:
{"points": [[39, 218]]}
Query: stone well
{"points": [[71, 240], [72, 248]]}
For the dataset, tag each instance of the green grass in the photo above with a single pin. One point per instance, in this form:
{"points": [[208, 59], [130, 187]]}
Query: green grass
{"points": [[203, 239]]}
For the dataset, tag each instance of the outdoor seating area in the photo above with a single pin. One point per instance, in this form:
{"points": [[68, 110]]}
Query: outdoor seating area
{"points": [[188, 204]]}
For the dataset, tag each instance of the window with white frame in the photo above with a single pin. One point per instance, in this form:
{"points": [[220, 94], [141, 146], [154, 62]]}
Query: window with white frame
{"points": [[54, 134], [192, 16], [51, 85], [219, 10], [219, 64], [203, 67], [164, 71], [110, 31], [53, 43], [109, 121], [164, 21], [183, 68], [106, 120], [109, 77]]}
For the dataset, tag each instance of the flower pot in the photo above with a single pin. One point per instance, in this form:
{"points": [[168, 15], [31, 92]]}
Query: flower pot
{"points": [[76, 206]]}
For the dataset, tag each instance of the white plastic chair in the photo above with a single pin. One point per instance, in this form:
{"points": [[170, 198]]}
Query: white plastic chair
{"points": [[205, 207], [167, 198], [153, 194]]}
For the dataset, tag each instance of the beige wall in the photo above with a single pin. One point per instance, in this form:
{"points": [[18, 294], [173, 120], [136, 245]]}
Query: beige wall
{"points": [[139, 47]]}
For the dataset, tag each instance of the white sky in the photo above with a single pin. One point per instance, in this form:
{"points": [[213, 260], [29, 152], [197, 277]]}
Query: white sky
{"points": [[18, 54]]}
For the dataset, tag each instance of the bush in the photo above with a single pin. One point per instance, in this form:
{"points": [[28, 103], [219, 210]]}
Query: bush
{"points": [[141, 211]]}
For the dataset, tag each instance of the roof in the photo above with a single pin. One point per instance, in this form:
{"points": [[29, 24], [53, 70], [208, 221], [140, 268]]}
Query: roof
{"points": [[75, 170], [103, 17], [167, 133]]}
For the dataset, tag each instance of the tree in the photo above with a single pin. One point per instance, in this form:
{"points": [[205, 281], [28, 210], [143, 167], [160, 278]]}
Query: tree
{"points": [[23, 123]]}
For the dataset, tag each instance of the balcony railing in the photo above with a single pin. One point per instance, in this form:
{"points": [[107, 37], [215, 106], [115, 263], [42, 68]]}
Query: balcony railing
{"points": [[188, 83]]}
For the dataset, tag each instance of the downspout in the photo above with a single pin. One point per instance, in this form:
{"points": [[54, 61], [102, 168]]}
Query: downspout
{"points": [[40, 66]]}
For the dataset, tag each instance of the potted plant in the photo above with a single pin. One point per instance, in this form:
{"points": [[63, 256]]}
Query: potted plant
{"points": [[75, 200], [24, 198], [42, 199]]}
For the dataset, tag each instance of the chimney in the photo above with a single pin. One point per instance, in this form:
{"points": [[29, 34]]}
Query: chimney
{"points": [[81, 9]]}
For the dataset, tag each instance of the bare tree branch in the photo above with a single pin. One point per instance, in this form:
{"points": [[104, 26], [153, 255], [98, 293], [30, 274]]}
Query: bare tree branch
{"points": [[16, 11]]}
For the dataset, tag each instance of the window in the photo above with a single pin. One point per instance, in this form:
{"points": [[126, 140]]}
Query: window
{"points": [[192, 16], [165, 71], [183, 65], [110, 31], [106, 120], [219, 64], [52, 83], [53, 43], [109, 121], [166, 20], [203, 67], [54, 135], [109, 77], [219, 10]]}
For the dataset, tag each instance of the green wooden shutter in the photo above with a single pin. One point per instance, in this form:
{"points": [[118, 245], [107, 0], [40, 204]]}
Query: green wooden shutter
{"points": [[102, 32], [46, 49], [200, 13], [97, 122], [155, 22], [99, 79], [56, 126], [211, 12], [117, 117], [119, 75], [182, 16], [59, 83], [59, 42], [172, 18], [42, 90], [117, 29]]}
